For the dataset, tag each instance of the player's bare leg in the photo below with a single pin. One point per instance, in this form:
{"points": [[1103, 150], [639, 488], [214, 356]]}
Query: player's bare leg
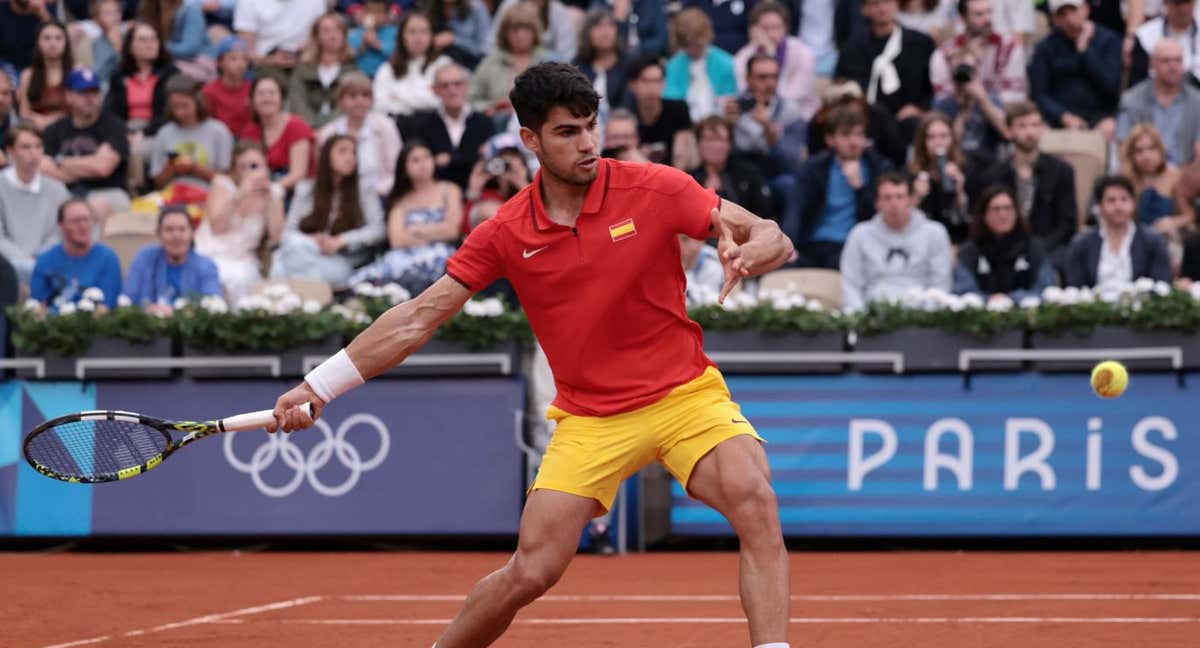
{"points": [[735, 479], [550, 528]]}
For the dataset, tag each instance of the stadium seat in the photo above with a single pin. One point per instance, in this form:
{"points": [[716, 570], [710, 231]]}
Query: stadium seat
{"points": [[130, 223], [314, 289], [820, 284], [1087, 153], [127, 245]]}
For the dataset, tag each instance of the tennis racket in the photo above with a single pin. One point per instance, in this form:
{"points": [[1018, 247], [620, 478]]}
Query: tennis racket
{"points": [[104, 446]]}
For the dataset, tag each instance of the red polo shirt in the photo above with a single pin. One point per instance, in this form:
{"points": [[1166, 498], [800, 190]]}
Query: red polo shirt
{"points": [[605, 298]]}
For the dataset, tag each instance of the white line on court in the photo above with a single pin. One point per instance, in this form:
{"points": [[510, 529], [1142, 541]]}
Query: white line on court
{"points": [[697, 598], [796, 620], [81, 642]]}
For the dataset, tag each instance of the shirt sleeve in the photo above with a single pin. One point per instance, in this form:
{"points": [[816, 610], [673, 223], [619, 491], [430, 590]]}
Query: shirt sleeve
{"points": [[688, 205], [478, 262]]}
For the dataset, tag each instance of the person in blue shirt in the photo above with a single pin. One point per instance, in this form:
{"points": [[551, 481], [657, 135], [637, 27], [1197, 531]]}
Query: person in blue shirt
{"points": [[62, 273], [375, 40], [163, 272]]}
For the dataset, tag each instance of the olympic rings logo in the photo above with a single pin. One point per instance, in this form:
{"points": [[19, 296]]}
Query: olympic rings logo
{"points": [[334, 444]]}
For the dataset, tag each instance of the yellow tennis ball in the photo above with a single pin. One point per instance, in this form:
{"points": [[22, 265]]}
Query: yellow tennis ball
{"points": [[1109, 379]]}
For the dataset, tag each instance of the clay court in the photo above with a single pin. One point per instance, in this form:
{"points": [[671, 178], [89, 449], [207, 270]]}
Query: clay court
{"points": [[683, 600]]}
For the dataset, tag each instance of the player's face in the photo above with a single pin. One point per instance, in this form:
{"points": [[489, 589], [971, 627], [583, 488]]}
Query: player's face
{"points": [[567, 146]]}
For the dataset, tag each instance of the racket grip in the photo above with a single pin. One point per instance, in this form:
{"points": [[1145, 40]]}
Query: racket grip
{"points": [[254, 420]]}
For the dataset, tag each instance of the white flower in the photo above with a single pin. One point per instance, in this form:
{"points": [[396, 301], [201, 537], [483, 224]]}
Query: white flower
{"points": [[493, 307], [1086, 295], [1070, 295], [1001, 303], [473, 308], [1110, 295], [1162, 288], [1137, 306], [913, 298], [1195, 290], [1143, 285], [86, 305], [1030, 302], [1052, 295], [214, 304], [815, 306], [311, 306], [67, 309], [364, 289], [93, 294], [32, 304], [955, 303], [362, 318], [277, 291], [396, 293], [180, 303], [124, 301], [288, 303], [253, 302], [343, 311], [972, 300]]}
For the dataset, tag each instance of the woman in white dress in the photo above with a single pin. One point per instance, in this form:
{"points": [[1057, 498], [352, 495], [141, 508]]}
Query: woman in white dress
{"points": [[242, 207]]}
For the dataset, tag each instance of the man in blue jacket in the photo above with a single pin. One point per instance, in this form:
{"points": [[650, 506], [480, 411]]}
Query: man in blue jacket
{"points": [[163, 272]]}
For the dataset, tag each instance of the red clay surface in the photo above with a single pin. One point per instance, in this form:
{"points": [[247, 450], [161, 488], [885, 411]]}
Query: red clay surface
{"points": [[688, 600]]}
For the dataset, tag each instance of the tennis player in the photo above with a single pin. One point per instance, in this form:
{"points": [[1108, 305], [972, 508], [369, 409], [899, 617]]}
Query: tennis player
{"points": [[592, 249]]}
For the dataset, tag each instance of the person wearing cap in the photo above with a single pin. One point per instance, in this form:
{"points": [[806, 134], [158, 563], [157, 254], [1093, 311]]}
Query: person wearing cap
{"points": [[1178, 23], [454, 132], [1075, 72], [87, 149], [228, 95]]}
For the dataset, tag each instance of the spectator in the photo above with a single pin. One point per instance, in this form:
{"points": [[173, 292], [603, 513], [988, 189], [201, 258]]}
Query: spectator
{"points": [[1044, 184], [934, 18], [333, 220], [729, 21], [560, 25], [461, 29], [106, 46], [1166, 102], [492, 183], [621, 134], [275, 31], [664, 126], [882, 130], [1000, 258], [287, 139], [1075, 73], [377, 138], [242, 208], [170, 269], [1177, 24], [1014, 18], [1144, 161], [939, 184], [63, 272], [375, 40], [769, 37], [228, 95], [890, 64], [641, 25], [728, 177], [1117, 252], [8, 116], [518, 46], [601, 59], [1189, 272], [137, 91], [180, 25], [701, 268], [191, 147], [816, 20], [19, 21], [769, 130], [896, 251], [28, 201], [835, 189], [218, 14], [454, 132], [86, 150], [41, 95], [326, 59], [424, 221], [699, 72], [405, 84]]}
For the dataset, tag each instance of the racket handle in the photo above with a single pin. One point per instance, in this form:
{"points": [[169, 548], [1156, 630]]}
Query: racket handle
{"points": [[254, 420]]}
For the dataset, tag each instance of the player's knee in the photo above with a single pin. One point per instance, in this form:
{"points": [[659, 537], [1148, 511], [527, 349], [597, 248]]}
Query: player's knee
{"points": [[754, 502], [531, 577]]}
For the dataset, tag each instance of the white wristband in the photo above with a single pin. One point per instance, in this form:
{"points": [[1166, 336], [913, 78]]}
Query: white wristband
{"points": [[334, 377]]}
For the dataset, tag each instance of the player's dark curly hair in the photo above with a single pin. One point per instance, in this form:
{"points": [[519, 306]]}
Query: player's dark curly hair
{"points": [[546, 85]]}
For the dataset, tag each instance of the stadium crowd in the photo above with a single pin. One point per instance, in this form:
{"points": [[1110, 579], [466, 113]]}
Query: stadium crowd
{"points": [[904, 143]]}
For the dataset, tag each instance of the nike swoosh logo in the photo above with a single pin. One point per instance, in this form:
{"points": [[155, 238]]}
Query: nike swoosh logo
{"points": [[529, 253], [736, 421]]}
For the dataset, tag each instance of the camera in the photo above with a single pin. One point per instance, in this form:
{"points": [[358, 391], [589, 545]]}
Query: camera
{"points": [[963, 73], [496, 166]]}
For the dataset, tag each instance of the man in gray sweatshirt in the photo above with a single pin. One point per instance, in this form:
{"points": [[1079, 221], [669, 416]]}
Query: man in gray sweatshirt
{"points": [[29, 201], [898, 250]]}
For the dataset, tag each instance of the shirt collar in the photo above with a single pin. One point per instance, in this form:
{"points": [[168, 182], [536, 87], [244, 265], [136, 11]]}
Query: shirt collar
{"points": [[592, 200], [462, 117], [33, 187], [1126, 243]]}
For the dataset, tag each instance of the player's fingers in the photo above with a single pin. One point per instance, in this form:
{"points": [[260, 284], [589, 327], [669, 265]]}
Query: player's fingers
{"points": [[733, 253], [730, 282]]}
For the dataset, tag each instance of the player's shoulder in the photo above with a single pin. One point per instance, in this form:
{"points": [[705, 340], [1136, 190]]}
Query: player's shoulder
{"points": [[647, 176], [512, 213]]}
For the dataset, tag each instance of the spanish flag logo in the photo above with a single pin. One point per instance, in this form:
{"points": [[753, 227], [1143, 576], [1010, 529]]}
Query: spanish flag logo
{"points": [[623, 230]]}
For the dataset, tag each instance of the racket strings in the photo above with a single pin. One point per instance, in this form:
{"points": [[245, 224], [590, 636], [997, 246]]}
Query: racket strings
{"points": [[96, 449]]}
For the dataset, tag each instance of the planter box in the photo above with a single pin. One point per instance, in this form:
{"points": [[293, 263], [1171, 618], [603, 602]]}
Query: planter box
{"points": [[723, 347], [934, 350], [1116, 337], [445, 358], [116, 348], [293, 359], [262, 371], [58, 367]]}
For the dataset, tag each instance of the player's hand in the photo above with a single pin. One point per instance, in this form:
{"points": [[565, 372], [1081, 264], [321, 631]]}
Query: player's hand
{"points": [[731, 260], [289, 416]]}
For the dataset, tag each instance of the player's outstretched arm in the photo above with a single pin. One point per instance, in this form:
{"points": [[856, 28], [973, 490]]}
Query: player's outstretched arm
{"points": [[386, 342], [748, 245]]}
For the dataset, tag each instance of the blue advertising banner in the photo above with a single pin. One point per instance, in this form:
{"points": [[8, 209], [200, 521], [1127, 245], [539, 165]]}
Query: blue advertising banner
{"points": [[1013, 455], [391, 457]]}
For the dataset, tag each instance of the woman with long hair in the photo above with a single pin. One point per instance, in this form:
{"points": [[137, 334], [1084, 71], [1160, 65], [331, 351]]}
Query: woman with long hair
{"points": [[287, 139], [41, 95], [424, 221], [460, 29], [601, 57], [326, 59], [378, 139], [939, 187], [518, 46], [191, 147], [332, 222], [242, 208], [405, 84], [137, 92], [1144, 160], [561, 27], [182, 27], [700, 73], [1001, 257]]}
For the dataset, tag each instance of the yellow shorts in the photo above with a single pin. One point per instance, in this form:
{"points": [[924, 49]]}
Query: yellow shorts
{"points": [[590, 456]]}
